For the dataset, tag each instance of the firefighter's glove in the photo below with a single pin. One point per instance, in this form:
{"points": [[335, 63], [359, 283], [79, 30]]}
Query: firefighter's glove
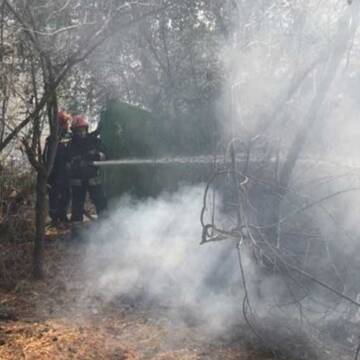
{"points": [[96, 155]]}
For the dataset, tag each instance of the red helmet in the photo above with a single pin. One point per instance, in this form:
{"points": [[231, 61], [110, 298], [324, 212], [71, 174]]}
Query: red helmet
{"points": [[79, 121], [64, 119]]}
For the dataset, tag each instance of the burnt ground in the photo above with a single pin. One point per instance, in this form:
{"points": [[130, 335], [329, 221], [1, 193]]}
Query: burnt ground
{"points": [[53, 319], [59, 318]]}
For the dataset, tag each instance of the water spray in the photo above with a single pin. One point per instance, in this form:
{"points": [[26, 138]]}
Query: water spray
{"points": [[183, 160], [351, 164]]}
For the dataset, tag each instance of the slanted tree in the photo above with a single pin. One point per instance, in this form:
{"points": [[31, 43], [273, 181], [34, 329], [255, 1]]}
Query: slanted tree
{"points": [[52, 37]]}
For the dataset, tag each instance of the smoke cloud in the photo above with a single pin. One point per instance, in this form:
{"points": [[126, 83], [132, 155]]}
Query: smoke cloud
{"points": [[277, 64], [150, 251]]}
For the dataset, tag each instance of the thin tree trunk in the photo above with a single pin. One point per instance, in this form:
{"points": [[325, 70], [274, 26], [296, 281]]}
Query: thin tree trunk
{"points": [[40, 225], [341, 45]]}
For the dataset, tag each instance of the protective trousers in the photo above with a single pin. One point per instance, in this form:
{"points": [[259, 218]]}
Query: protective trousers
{"points": [[59, 200], [79, 192]]}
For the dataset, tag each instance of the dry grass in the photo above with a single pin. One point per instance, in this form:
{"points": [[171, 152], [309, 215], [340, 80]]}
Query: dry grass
{"points": [[55, 340], [55, 319]]}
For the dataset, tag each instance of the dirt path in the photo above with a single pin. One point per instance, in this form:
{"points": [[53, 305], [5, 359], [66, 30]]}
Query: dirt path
{"points": [[52, 319]]}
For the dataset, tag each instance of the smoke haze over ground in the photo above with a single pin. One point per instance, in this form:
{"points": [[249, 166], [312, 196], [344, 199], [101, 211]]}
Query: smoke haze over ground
{"points": [[288, 67], [273, 84], [149, 250]]}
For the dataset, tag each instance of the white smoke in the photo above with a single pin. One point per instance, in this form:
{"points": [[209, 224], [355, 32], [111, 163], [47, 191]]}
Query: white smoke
{"points": [[150, 250]]}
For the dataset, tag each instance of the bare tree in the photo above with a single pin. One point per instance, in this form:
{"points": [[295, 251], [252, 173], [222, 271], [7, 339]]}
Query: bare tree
{"points": [[53, 39], [262, 193]]}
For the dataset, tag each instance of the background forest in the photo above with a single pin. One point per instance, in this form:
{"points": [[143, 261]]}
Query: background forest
{"points": [[267, 90]]}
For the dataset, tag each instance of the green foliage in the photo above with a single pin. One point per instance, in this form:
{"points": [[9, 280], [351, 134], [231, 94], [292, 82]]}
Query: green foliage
{"points": [[127, 130], [131, 132]]}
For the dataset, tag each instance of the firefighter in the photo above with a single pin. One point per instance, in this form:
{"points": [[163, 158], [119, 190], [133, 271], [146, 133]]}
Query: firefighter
{"points": [[58, 180], [83, 149]]}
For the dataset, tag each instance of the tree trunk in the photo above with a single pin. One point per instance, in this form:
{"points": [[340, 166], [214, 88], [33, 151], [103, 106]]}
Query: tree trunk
{"points": [[40, 225], [329, 74]]}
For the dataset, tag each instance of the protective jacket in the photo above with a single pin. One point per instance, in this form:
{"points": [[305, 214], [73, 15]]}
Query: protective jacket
{"points": [[80, 155], [59, 173], [58, 180], [84, 176]]}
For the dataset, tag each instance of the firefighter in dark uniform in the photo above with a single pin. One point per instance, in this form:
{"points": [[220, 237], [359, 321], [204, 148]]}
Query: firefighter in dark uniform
{"points": [[83, 149], [58, 180]]}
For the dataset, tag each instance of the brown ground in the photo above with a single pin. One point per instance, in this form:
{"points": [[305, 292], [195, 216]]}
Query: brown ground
{"points": [[52, 319]]}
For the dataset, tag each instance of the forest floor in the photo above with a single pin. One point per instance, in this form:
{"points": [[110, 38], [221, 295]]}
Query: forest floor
{"points": [[52, 319]]}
